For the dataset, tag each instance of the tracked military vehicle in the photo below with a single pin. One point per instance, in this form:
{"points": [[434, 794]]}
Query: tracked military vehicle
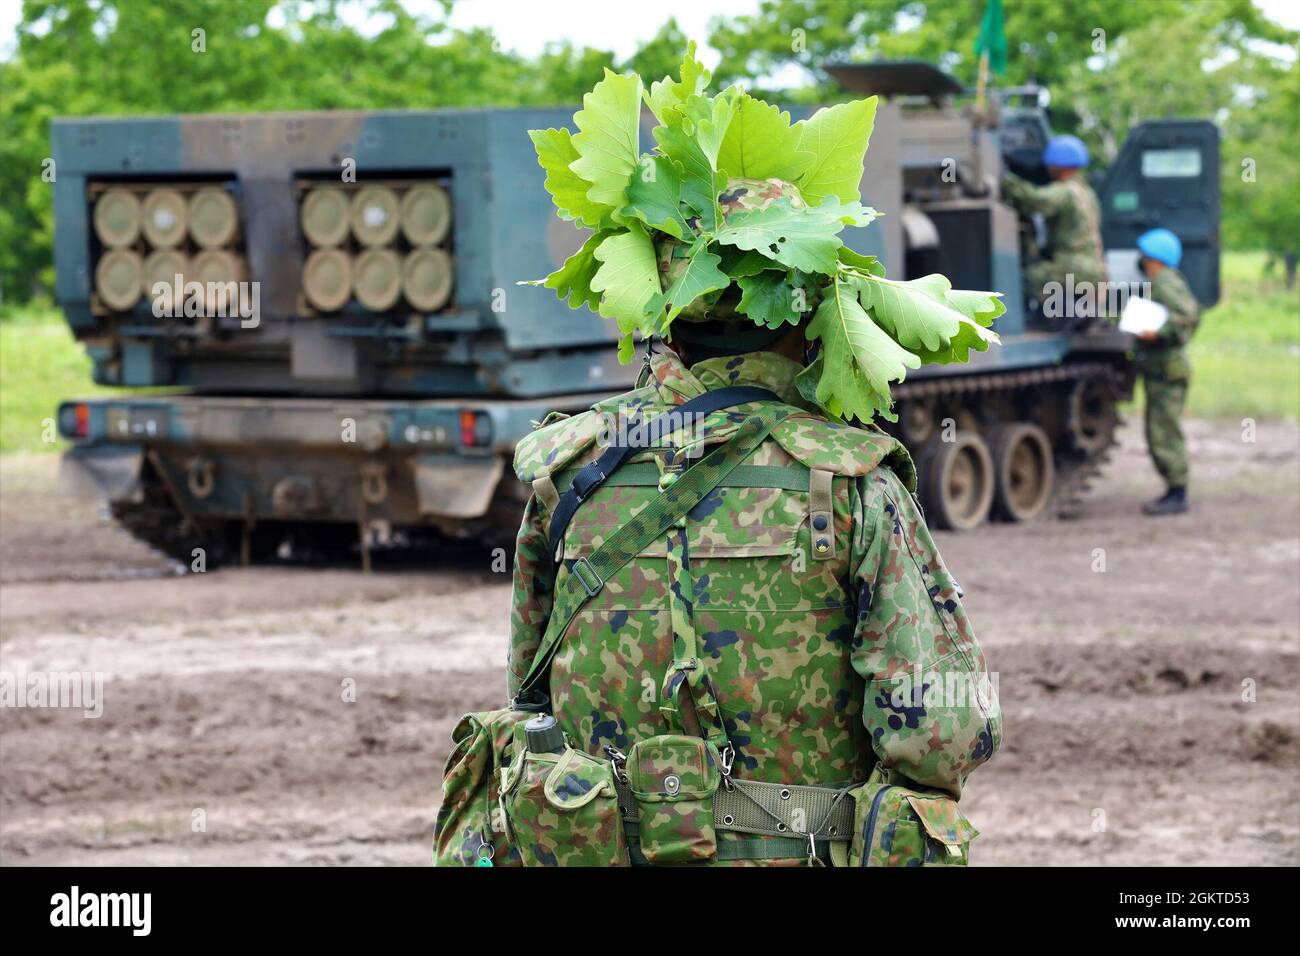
{"points": [[1018, 431], [378, 366], [331, 300]]}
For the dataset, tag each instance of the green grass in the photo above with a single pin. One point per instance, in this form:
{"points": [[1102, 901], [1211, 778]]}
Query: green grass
{"points": [[1246, 353], [40, 365], [1245, 358]]}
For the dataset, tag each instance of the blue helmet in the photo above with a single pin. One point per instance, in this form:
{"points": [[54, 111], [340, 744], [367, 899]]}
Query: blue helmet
{"points": [[1067, 152], [1162, 246]]}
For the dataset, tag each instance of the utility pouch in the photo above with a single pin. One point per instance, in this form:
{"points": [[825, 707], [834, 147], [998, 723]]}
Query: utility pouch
{"points": [[563, 810], [896, 826], [673, 779], [471, 830]]}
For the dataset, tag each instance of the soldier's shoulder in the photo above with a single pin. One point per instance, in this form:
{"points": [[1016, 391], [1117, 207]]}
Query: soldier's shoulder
{"points": [[560, 439], [557, 439], [1171, 284], [1076, 190], [850, 450]]}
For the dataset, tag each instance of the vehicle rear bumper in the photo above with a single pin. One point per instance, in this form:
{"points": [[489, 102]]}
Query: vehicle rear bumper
{"points": [[417, 462]]}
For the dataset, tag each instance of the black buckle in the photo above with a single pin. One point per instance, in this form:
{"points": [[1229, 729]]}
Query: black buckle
{"points": [[587, 480]]}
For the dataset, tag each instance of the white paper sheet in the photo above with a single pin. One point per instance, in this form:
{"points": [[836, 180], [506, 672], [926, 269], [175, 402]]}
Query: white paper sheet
{"points": [[1142, 315]]}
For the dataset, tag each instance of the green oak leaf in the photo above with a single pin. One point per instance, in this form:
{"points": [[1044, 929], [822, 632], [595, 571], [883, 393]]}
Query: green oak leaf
{"points": [[572, 281], [627, 278], [665, 97], [798, 237], [707, 120], [701, 183], [806, 383], [699, 276], [768, 298], [859, 357], [926, 316], [761, 144], [655, 196], [626, 349], [738, 263], [914, 311], [609, 137], [808, 290], [982, 307], [978, 309], [856, 260], [970, 335], [555, 152], [837, 136]]}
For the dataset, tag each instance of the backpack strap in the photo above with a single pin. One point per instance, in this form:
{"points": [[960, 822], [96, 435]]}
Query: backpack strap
{"points": [[593, 475], [587, 575]]}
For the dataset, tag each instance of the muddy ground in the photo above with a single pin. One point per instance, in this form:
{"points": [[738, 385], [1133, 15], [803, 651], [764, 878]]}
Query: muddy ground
{"points": [[1152, 709]]}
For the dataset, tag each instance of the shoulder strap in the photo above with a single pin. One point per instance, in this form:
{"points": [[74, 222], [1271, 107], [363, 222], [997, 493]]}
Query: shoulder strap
{"points": [[589, 574], [593, 475]]}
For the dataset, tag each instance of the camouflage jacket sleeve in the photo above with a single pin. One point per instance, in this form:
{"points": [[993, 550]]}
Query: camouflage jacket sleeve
{"points": [[530, 606], [930, 708], [1027, 197], [1184, 312]]}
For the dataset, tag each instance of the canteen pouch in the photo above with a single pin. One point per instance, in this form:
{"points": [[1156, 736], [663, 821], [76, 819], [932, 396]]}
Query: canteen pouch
{"points": [[471, 830], [895, 826], [673, 779], [563, 809]]}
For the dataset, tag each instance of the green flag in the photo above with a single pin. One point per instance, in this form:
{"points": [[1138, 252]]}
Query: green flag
{"points": [[992, 40]]}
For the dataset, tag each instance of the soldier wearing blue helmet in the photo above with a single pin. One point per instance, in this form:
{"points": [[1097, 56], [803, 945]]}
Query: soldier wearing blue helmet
{"points": [[1163, 364], [1073, 217]]}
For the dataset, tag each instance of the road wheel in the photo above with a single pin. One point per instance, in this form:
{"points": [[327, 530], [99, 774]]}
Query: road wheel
{"points": [[916, 422], [1024, 472], [957, 481], [1092, 416]]}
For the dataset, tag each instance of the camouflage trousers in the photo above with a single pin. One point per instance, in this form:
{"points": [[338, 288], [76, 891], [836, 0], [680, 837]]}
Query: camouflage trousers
{"points": [[1165, 399]]}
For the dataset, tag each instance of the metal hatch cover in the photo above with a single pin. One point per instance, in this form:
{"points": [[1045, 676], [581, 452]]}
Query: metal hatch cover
{"points": [[895, 78]]}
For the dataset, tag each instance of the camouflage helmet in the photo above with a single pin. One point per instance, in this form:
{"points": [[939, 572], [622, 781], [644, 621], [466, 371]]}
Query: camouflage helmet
{"points": [[740, 195], [744, 195]]}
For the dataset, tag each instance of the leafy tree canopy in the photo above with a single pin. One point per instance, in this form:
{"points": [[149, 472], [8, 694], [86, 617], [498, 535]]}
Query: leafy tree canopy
{"points": [[1218, 58]]}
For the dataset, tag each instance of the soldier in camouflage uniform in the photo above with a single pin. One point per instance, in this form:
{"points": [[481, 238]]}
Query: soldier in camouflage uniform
{"points": [[733, 641], [780, 618], [1073, 217], [1165, 369]]}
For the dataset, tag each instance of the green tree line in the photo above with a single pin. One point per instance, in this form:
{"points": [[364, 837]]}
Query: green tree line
{"points": [[86, 57]]}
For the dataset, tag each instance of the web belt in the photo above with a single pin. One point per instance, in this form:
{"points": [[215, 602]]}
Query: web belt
{"points": [[751, 806]]}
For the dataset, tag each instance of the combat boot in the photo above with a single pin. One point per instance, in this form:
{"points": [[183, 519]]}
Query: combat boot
{"points": [[1173, 503]]}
